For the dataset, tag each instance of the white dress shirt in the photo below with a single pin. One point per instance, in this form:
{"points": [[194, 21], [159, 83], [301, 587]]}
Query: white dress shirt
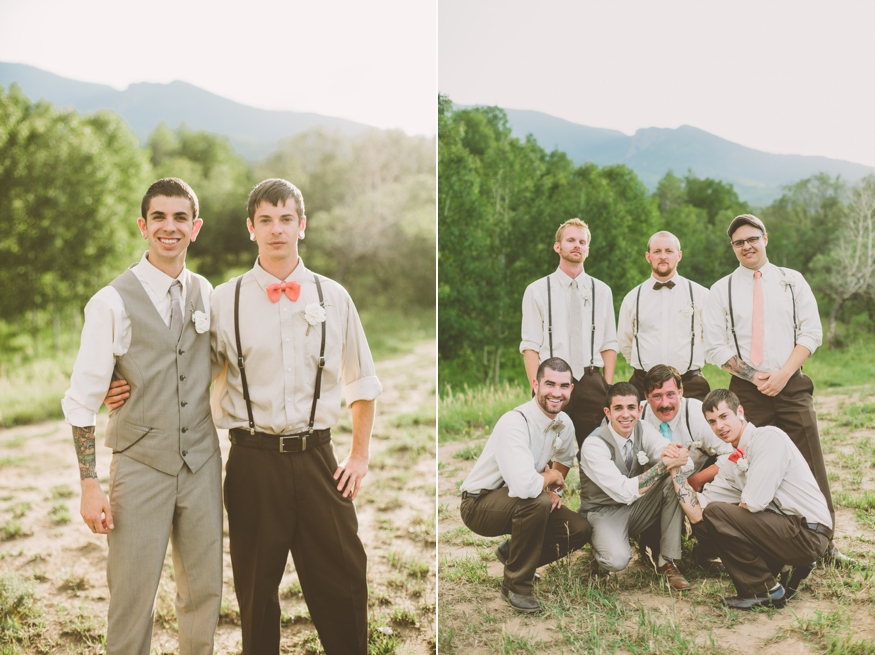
{"points": [[777, 473], [518, 450], [779, 287], [707, 443], [598, 464], [536, 320], [107, 335], [281, 351], [665, 317]]}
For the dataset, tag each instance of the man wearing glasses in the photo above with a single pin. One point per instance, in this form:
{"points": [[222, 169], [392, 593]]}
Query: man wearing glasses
{"points": [[766, 364]]}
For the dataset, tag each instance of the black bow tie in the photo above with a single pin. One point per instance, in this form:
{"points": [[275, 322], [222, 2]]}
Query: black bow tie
{"points": [[659, 285]]}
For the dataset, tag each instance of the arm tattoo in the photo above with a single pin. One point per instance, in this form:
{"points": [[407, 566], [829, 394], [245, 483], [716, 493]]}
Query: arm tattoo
{"points": [[85, 451], [651, 475], [686, 495], [739, 368]]}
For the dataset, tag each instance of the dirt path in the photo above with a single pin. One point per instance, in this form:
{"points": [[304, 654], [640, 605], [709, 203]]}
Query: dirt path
{"points": [[45, 549]]}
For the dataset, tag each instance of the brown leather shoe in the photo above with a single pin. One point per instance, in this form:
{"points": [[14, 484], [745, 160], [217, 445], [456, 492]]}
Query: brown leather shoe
{"points": [[674, 577]]}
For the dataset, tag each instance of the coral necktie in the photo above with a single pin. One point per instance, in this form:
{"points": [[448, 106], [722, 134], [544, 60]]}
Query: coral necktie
{"points": [[756, 343]]}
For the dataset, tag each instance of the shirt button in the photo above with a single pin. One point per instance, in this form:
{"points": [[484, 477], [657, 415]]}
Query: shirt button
{"points": [[289, 370], [287, 338], [182, 377], [285, 309]]}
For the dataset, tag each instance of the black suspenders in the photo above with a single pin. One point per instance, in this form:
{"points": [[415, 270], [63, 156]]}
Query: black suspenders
{"points": [[732, 314], [692, 327], [550, 322], [321, 364]]}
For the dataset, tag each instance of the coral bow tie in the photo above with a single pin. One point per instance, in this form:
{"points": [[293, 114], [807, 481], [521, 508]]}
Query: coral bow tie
{"points": [[736, 455], [292, 289]]}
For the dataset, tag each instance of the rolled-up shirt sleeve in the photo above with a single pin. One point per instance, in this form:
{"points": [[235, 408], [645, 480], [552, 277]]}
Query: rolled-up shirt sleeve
{"points": [[609, 325], [357, 368], [810, 329], [768, 466], [533, 322]]}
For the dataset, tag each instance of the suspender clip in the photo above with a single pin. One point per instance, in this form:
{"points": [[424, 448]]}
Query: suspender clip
{"points": [[240, 362], [321, 362]]}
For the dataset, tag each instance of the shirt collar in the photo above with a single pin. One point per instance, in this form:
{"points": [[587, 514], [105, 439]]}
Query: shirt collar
{"points": [[540, 420], [621, 442], [158, 279], [563, 279], [767, 270], [746, 435], [265, 279], [674, 278]]}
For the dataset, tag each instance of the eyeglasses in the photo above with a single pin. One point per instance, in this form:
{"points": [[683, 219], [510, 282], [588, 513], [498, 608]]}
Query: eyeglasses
{"points": [[751, 241]]}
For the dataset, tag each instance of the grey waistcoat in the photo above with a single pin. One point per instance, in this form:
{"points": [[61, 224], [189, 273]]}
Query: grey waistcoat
{"points": [[166, 422], [591, 495]]}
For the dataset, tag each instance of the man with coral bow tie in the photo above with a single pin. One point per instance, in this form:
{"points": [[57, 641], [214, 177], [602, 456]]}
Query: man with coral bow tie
{"points": [[288, 347]]}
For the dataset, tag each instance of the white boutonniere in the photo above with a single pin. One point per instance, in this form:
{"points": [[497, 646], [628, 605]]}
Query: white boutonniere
{"points": [[743, 465], [642, 458], [687, 310], [586, 295], [698, 443], [557, 443], [201, 321], [314, 314]]}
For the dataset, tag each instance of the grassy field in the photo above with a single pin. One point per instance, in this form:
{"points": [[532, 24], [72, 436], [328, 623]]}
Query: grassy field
{"points": [[53, 593], [634, 612]]}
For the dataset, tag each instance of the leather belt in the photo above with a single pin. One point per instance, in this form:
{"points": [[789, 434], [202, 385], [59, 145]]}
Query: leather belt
{"points": [[283, 443], [820, 528], [590, 370], [469, 494], [691, 374]]}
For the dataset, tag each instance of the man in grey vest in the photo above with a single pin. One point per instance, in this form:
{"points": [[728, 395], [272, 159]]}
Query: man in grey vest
{"points": [[625, 487], [150, 326]]}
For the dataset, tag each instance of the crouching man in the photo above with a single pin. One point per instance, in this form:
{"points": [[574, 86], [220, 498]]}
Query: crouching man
{"points": [[625, 487], [516, 486], [762, 512]]}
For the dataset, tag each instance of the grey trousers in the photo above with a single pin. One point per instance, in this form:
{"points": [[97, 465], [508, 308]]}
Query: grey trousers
{"points": [[148, 508], [613, 525]]}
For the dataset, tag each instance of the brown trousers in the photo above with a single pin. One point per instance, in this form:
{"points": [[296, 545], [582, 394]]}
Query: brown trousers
{"points": [[695, 385], [537, 535], [281, 502], [792, 410], [586, 408], [755, 546]]}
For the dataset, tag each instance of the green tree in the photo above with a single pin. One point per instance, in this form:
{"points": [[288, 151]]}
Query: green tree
{"points": [[70, 187]]}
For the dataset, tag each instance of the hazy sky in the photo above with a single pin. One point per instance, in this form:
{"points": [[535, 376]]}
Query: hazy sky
{"points": [[372, 62], [782, 76]]}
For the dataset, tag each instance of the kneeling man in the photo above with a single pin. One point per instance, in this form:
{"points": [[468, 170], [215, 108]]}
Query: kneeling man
{"points": [[625, 488], [764, 510], [516, 486]]}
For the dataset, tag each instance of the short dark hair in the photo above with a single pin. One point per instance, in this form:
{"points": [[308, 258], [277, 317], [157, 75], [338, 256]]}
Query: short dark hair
{"points": [[659, 375], [275, 191], [169, 187], [621, 389], [713, 399], [554, 364]]}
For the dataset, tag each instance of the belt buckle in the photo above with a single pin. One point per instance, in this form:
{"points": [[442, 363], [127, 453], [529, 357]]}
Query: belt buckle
{"points": [[282, 444], [303, 439]]}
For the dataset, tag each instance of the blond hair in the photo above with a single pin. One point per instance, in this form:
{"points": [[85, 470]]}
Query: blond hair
{"points": [[573, 222]]}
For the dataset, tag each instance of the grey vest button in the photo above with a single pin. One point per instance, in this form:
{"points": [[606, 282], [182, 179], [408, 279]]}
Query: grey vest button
{"points": [[185, 429], [184, 403], [184, 453], [182, 377]]}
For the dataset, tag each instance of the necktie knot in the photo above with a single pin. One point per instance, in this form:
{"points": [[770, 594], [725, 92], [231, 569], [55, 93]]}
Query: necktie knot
{"points": [[665, 429], [291, 289], [659, 285]]}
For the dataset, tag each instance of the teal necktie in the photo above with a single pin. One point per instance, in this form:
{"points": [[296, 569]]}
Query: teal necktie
{"points": [[666, 431]]}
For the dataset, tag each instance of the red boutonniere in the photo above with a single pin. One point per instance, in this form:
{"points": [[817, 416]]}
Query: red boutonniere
{"points": [[738, 454]]}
